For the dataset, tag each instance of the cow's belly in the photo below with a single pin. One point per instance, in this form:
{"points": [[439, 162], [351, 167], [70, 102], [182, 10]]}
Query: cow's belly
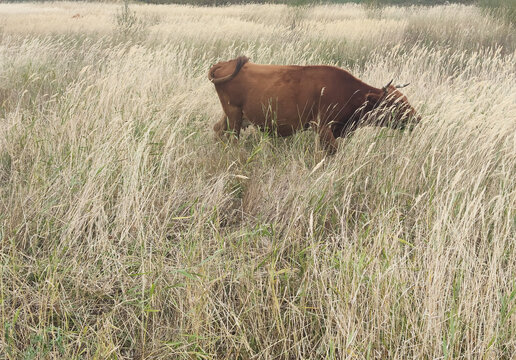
{"points": [[281, 117]]}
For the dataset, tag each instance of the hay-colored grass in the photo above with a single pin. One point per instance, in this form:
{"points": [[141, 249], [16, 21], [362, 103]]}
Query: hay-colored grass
{"points": [[127, 231]]}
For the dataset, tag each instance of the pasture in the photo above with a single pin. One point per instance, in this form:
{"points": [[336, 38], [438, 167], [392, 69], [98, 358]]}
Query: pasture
{"points": [[128, 232]]}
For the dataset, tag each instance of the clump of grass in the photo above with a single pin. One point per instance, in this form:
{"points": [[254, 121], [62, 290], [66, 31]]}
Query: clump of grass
{"points": [[129, 24], [504, 9]]}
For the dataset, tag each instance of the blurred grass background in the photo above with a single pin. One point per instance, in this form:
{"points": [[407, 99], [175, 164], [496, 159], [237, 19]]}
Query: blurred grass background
{"points": [[127, 231]]}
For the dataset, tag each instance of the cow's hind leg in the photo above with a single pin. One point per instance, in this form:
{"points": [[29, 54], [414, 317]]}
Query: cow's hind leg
{"points": [[221, 126], [231, 121]]}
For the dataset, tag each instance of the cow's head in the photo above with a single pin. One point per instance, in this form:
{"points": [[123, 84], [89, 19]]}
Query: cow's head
{"points": [[392, 108]]}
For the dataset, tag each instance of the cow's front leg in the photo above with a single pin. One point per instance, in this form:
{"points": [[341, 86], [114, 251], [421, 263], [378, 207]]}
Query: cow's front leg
{"points": [[327, 139]]}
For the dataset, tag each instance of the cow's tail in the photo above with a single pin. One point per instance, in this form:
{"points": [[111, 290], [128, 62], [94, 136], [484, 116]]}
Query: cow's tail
{"points": [[240, 61]]}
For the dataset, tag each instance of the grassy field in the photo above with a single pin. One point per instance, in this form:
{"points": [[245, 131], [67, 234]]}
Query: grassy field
{"points": [[128, 232]]}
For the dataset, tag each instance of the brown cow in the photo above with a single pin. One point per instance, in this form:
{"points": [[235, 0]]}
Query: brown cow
{"points": [[284, 99]]}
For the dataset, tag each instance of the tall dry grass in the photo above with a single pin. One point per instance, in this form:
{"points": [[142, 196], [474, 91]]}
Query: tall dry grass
{"points": [[126, 231]]}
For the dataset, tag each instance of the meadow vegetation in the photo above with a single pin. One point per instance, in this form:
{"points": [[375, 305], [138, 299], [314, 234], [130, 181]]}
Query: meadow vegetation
{"points": [[127, 231]]}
